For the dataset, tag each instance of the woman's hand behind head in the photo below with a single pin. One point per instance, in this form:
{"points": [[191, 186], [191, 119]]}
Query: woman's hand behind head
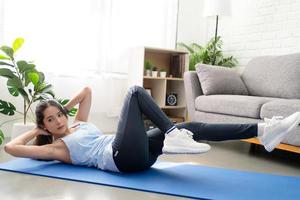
{"points": [[42, 132]]}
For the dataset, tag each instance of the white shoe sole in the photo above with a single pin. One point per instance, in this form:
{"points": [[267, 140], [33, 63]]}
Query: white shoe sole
{"points": [[183, 150]]}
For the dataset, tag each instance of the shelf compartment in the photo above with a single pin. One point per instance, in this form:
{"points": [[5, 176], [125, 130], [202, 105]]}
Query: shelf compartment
{"points": [[158, 90], [178, 88]]}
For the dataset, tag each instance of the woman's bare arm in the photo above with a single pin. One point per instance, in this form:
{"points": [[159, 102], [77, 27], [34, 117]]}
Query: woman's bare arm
{"points": [[84, 99], [17, 147]]}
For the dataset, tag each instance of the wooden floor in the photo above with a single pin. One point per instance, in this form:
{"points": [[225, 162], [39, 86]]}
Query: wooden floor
{"points": [[281, 146]]}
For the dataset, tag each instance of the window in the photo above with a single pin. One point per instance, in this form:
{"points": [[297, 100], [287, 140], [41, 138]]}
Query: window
{"points": [[64, 36]]}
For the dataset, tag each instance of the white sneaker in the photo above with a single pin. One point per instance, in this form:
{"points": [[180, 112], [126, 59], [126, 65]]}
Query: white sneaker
{"points": [[277, 128], [181, 142]]}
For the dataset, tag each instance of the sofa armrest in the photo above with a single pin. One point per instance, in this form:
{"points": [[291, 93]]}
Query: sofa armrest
{"points": [[192, 91]]}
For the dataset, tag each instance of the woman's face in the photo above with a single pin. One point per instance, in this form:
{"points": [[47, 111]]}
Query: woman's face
{"points": [[55, 121]]}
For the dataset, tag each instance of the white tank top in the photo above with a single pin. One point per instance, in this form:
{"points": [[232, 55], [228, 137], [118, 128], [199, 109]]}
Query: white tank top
{"points": [[88, 146]]}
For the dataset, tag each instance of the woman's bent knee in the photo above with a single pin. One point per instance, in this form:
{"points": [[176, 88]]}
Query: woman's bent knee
{"points": [[135, 89]]}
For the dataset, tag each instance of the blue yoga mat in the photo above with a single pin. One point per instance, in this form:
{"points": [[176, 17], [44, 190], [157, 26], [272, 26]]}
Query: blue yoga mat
{"points": [[180, 179]]}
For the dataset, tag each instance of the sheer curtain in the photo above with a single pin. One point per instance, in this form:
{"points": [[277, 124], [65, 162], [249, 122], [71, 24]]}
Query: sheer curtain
{"points": [[92, 36], [140, 23]]}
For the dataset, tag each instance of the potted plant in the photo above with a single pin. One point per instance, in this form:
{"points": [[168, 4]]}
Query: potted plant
{"points": [[210, 54], [23, 79], [163, 73], [148, 66], [154, 72]]}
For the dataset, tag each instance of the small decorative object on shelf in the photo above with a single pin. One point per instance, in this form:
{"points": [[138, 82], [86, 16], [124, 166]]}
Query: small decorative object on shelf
{"points": [[171, 99], [148, 66], [154, 72], [163, 73]]}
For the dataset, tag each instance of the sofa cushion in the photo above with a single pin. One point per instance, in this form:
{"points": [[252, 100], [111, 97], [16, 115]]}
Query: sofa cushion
{"points": [[273, 76], [281, 107], [220, 80], [237, 105]]}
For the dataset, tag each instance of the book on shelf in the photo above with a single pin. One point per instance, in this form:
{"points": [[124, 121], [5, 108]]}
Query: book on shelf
{"points": [[177, 65], [181, 66], [174, 65]]}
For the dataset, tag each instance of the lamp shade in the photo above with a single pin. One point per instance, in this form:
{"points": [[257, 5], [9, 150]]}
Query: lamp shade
{"points": [[217, 7]]}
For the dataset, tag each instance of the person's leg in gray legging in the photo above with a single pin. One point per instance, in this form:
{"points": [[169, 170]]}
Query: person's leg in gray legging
{"points": [[130, 146], [203, 131], [136, 150]]}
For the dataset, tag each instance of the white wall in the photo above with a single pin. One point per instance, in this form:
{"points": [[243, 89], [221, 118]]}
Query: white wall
{"points": [[191, 24], [256, 27], [1, 19]]}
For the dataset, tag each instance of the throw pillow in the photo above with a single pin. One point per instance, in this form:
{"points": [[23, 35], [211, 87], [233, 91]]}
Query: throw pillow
{"points": [[220, 80]]}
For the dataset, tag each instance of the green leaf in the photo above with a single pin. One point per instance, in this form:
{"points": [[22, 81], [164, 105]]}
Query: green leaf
{"points": [[24, 94], [23, 66], [45, 96], [63, 101], [72, 112], [196, 47], [31, 65], [7, 108], [28, 77], [5, 63], [40, 87], [7, 73], [2, 57], [44, 88], [8, 51], [13, 87], [51, 93], [16, 82], [42, 77], [190, 49], [33, 77], [1, 137], [17, 44]]}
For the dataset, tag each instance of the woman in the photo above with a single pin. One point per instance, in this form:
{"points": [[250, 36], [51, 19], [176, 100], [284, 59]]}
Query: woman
{"points": [[131, 149]]}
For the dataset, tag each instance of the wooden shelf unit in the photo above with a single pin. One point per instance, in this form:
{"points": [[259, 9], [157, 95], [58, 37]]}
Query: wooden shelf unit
{"points": [[161, 78], [173, 62]]}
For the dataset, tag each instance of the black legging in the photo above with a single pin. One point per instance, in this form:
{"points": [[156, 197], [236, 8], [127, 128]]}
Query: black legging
{"points": [[134, 149]]}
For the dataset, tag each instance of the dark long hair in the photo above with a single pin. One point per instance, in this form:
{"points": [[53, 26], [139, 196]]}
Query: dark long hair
{"points": [[39, 115]]}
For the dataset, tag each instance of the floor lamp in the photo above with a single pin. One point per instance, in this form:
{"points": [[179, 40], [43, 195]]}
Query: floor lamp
{"points": [[216, 8]]}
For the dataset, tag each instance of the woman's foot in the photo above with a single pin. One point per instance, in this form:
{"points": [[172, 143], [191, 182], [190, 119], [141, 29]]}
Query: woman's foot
{"points": [[276, 130], [181, 142]]}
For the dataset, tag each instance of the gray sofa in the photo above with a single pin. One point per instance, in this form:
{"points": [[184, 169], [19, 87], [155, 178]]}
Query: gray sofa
{"points": [[273, 89]]}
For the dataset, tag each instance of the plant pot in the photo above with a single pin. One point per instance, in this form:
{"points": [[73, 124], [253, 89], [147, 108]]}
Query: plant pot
{"points": [[154, 73], [20, 128], [163, 74], [148, 72]]}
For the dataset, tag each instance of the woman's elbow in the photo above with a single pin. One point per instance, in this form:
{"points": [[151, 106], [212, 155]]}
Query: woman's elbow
{"points": [[87, 90], [12, 150], [8, 148]]}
